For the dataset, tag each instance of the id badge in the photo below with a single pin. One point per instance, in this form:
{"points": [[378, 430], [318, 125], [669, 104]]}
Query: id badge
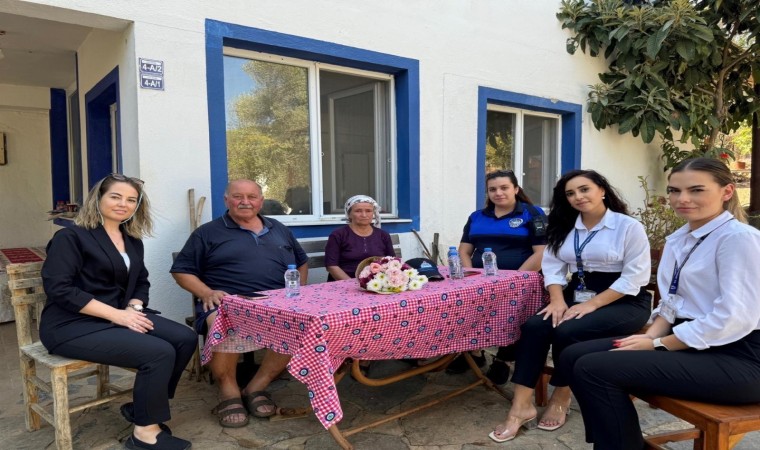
{"points": [[583, 295], [669, 306]]}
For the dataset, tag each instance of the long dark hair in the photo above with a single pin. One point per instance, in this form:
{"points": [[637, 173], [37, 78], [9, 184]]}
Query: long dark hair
{"points": [[520, 196], [721, 174], [562, 215]]}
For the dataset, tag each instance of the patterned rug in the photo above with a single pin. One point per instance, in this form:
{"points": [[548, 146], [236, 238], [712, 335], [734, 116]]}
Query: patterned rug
{"points": [[21, 255]]}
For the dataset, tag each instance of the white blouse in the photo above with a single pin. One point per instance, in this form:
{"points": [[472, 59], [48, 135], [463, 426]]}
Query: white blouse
{"points": [[126, 259], [621, 245], [719, 286]]}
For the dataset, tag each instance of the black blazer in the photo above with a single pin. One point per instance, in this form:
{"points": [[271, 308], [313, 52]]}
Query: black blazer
{"points": [[82, 265]]}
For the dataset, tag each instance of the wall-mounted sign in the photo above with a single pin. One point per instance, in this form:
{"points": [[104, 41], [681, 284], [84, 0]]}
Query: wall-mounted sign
{"points": [[151, 82], [151, 74]]}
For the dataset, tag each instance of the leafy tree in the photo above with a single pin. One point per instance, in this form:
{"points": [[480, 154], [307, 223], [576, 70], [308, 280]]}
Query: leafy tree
{"points": [[268, 129], [673, 65], [742, 140]]}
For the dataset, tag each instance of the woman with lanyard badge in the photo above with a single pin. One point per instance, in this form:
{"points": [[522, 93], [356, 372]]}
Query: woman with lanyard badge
{"points": [[591, 235], [706, 327]]}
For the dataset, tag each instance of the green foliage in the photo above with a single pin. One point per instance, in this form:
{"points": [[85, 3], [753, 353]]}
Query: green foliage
{"points": [[673, 65], [672, 155], [499, 150], [741, 140], [268, 132], [658, 218]]}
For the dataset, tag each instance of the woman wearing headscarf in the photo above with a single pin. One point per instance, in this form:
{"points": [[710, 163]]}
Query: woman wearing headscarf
{"points": [[348, 245]]}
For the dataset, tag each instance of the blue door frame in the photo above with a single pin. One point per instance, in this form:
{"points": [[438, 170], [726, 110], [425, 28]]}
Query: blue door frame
{"points": [[97, 103]]}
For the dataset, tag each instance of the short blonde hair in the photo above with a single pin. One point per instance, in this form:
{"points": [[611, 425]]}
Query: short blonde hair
{"points": [[138, 226]]}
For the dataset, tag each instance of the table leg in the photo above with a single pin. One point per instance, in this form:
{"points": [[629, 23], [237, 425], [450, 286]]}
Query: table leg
{"points": [[484, 379], [361, 378], [339, 438]]}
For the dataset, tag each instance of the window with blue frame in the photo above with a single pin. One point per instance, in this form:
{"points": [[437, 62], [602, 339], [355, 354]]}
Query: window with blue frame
{"points": [[311, 134], [314, 123], [538, 138]]}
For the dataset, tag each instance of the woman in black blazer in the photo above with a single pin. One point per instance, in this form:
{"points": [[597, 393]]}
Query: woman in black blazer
{"points": [[97, 288]]}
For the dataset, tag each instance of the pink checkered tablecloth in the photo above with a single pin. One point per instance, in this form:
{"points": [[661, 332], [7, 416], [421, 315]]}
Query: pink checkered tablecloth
{"points": [[330, 322]]}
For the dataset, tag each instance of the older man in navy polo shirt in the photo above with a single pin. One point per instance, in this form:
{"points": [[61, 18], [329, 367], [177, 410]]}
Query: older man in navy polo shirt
{"points": [[239, 253]]}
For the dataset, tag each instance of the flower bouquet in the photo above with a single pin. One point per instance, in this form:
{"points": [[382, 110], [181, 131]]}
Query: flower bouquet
{"points": [[388, 275]]}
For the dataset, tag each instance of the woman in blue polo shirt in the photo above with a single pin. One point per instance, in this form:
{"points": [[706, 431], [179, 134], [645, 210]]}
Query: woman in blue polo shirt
{"points": [[514, 229]]}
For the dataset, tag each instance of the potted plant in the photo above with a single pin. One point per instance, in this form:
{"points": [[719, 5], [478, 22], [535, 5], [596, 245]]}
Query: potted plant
{"points": [[659, 220]]}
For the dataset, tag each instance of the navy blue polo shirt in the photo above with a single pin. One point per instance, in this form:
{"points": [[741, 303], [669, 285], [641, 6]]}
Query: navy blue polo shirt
{"points": [[238, 261], [511, 236]]}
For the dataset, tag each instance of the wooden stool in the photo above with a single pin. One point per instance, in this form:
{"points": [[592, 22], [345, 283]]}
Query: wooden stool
{"points": [[27, 295]]}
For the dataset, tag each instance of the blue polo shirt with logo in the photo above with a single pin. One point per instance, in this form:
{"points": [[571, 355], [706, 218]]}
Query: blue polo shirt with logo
{"points": [[511, 236]]}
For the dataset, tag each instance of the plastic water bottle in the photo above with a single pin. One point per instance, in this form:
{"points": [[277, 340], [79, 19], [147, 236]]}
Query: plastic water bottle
{"points": [[489, 262], [455, 264], [292, 281]]}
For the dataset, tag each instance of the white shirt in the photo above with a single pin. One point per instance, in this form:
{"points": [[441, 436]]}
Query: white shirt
{"points": [[621, 245], [719, 286], [126, 259]]}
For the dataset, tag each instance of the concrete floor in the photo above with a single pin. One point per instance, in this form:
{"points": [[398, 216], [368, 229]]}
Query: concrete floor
{"points": [[462, 423]]}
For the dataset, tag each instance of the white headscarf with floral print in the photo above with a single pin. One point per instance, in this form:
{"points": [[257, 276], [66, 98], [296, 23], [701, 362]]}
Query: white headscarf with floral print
{"points": [[363, 199]]}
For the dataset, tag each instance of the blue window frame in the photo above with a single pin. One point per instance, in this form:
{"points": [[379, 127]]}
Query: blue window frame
{"points": [[570, 125], [406, 97]]}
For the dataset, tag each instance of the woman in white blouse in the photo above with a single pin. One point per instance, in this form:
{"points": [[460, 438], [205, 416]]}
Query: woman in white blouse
{"points": [[706, 327], [604, 297]]}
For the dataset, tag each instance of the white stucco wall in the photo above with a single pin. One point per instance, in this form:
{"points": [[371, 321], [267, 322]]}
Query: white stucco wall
{"points": [[514, 45], [25, 184]]}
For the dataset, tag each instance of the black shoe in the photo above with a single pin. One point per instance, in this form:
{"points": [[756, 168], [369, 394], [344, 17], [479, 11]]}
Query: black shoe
{"points": [[459, 365], [163, 442], [499, 372], [128, 412]]}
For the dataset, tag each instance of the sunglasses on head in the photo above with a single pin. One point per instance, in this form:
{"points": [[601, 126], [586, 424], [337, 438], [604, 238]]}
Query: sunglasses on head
{"points": [[120, 177], [500, 173]]}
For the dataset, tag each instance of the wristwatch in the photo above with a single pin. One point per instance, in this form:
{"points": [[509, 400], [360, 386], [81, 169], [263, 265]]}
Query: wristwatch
{"points": [[658, 345], [135, 306]]}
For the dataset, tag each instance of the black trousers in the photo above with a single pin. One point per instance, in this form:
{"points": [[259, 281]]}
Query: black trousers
{"points": [[602, 381], [623, 316], [159, 356]]}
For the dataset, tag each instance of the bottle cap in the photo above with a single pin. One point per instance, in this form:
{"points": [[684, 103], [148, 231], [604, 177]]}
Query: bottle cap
{"points": [[452, 248], [487, 249], [291, 266]]}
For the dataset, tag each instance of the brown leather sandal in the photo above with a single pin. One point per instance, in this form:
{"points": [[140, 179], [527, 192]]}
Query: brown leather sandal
{"points": [[222, 413], [253, 405]]}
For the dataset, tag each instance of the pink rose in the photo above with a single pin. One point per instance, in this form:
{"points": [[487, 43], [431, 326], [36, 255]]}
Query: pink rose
{"points": [[375, 267]]}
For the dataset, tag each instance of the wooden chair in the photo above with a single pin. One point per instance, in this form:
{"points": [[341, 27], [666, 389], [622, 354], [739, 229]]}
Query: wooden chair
{"points": [[196, 370], [716, 427], [27, 295]]}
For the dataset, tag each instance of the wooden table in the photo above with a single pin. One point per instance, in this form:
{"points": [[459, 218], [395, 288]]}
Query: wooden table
{"points": [[331, 322]]}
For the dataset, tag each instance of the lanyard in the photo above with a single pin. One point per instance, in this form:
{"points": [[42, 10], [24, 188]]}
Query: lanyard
{"points": [[578, 260], [677, 269]]}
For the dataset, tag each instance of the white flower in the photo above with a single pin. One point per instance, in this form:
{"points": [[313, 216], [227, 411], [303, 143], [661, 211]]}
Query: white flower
{"points": [[410, 273], [380, 276], [375, 285], [414, 284], [394, 264]]}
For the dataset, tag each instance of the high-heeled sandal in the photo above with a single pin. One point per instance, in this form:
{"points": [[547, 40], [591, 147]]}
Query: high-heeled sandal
{"points": [[528, 424], [565, 410]]}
